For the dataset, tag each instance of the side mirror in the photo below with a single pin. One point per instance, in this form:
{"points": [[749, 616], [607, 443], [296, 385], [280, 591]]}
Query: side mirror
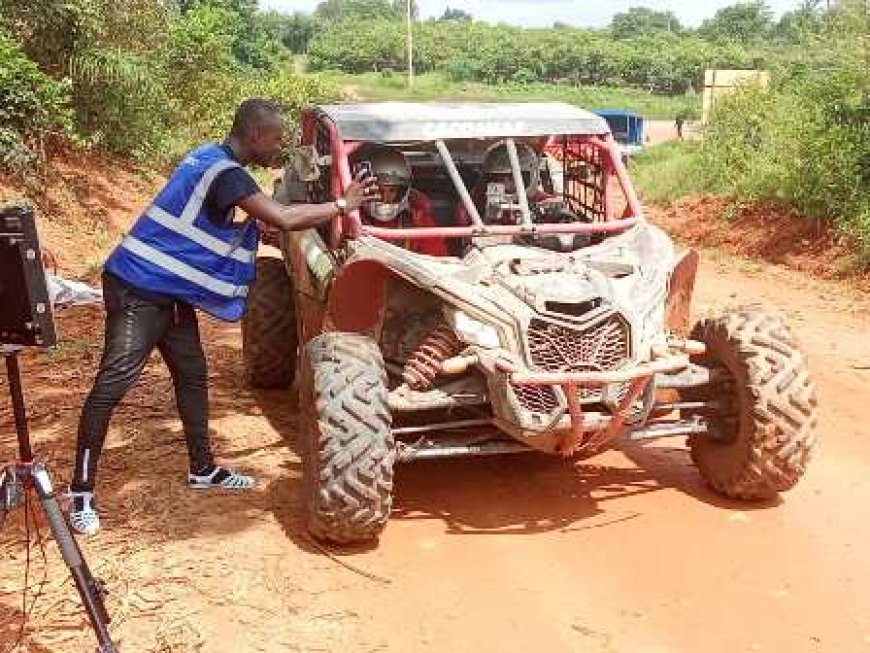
{"points": [[307, 162]]}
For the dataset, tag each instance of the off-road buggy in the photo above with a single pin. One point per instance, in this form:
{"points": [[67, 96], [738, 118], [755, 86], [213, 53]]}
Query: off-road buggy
{"points": [[561, 331]]}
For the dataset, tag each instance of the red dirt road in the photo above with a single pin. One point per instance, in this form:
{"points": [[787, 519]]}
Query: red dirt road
{"points": [[625, 552]]}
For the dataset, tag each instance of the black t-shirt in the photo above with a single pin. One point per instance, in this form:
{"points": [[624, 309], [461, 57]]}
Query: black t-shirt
{"points": [[227, 190]]}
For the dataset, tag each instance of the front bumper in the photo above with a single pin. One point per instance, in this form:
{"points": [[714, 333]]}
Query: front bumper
{"points": [[664, 365], [567, 428]]}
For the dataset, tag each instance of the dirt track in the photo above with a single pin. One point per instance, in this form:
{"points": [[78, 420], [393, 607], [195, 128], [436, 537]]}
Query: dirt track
{"points": [[625, 552]]}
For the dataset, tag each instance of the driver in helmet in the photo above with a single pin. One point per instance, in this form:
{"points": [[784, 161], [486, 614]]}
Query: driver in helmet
{"points": [[496, 185], [400, 205]]}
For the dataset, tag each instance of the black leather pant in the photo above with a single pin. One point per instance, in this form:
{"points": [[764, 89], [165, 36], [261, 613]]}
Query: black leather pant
{"points": [[134, 327]]}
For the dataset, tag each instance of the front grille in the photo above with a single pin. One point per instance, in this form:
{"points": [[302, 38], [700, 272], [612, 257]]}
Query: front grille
{"points": [[536, 398], [554, 347], [557, 348]]}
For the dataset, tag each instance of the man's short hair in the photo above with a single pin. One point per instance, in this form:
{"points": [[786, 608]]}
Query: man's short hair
{"points": [[253, 113]]}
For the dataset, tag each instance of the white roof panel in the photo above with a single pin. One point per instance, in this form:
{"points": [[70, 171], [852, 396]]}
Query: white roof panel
{"points": [[405, 121]]}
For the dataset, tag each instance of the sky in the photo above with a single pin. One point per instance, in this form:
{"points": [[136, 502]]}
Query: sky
{"points": [[543, 13]]}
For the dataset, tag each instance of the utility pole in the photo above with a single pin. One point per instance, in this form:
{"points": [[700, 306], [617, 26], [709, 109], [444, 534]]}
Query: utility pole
{"points": [[410, 44]]}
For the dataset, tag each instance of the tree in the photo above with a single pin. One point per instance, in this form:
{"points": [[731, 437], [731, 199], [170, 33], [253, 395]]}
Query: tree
{"points": [[332, 11], [51, 32], [32, 104], [806, 19], [457, 15], [641, 21], [745, 22], [297, 31], [241, 7], [253, 44]]}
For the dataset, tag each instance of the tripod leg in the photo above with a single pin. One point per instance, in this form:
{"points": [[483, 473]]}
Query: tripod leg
{"points": [[89, 589]]}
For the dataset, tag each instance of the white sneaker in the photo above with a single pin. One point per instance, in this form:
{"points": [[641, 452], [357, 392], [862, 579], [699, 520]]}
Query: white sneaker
{"points": [[83, 515], [220, 477]]}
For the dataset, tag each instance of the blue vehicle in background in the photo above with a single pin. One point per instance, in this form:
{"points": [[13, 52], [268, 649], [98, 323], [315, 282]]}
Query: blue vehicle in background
{"points": [[627, 129]]}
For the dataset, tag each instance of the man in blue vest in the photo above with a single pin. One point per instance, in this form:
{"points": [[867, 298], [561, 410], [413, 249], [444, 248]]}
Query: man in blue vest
{"points": [[186, 252]]}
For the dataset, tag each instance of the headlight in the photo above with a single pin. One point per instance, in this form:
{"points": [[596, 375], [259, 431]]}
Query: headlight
{"points": [[474, 332]]}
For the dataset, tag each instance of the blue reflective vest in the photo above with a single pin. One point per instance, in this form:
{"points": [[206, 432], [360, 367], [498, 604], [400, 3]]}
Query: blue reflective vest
{"points": [[174, 249]]}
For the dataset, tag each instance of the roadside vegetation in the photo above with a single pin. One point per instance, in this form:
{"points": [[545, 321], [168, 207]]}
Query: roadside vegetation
{"points": [[145, 79], [139, 78], [389, 85], [804, 142]]}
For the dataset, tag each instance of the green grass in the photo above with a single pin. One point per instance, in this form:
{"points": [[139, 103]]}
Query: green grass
{"points": [[667, 171], [436, 86]]}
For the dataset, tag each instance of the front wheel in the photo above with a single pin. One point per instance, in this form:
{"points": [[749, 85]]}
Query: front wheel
{"points": [[348, 447], [768, 406]]}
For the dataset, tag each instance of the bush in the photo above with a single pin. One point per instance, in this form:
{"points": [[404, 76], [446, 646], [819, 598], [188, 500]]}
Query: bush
{"points": [[805, 141], [668, 171], [493, 54], [82, 69], [291, 91], [794, 144], [33, 106], [123, 103]]}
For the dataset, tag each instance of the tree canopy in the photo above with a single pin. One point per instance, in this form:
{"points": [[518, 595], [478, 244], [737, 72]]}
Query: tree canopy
{"points": [[642, 21], [744, 22], [456, 14]]}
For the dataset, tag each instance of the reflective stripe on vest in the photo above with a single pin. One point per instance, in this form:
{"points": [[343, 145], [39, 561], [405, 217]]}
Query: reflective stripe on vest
{"points": [[200, 237], [179, 269], [194, 204]]}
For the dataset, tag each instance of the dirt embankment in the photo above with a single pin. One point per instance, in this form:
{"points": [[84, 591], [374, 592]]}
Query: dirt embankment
{"points": [[766, 231], [84, 202]]}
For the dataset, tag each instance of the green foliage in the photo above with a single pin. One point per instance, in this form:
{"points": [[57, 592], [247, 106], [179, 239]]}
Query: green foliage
{"points": [[32, 106], [143, 78], [642, 21], [353, 47], [456, 14], [335, 11], [291, 91], [49, 32], [666, 172], [794, 26], [122, 103], [806, 141], [252, 42], [745, 22], [293, 32], [658, 60], [437, 86]]}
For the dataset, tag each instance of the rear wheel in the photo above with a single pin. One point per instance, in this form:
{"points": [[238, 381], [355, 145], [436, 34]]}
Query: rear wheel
{"points": [[269, 342], [348, 448], [769, 406]]}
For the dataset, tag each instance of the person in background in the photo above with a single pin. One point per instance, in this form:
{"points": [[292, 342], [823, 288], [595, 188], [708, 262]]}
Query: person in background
{"points": [[495, 168]]}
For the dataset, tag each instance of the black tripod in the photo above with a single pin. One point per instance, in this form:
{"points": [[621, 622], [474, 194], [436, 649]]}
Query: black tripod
{"points": [[26, 474]]}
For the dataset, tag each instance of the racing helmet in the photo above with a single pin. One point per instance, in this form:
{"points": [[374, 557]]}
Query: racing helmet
{"points": [[497, 163], [390, 167]]}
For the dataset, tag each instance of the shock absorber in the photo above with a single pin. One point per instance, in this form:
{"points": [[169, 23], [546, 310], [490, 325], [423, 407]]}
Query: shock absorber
{"points": [[425, 363]]}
